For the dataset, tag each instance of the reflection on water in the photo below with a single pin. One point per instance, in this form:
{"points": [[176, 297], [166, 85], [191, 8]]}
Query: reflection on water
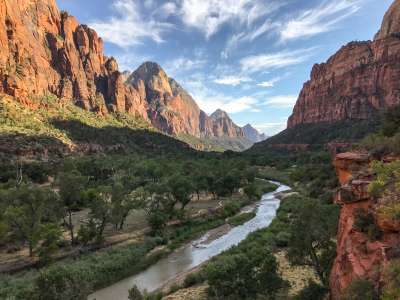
{"points": [[191, 256]]}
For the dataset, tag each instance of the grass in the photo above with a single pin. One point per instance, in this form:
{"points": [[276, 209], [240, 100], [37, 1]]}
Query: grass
{"points": [[241, 218]]}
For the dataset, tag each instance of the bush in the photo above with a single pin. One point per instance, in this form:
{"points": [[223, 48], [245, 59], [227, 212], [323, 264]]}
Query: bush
{"points": [[360, 289], [312, 291], [60, 284], [365, 222], [391, 290], [193, 279], [135, 294], [282, 239], [241, 219], [239, 276]]}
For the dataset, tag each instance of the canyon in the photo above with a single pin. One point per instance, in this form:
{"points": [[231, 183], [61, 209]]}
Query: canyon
{"points": [[357, 82], [45, 51]]}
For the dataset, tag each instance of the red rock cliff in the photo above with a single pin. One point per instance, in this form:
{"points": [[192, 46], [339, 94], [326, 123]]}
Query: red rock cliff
{"points": [[44, 51], [359, 256], [359, 80], [174, 111]]}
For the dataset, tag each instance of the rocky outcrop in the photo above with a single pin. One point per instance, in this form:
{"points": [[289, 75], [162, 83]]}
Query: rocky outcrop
{"points": [[173, 110], [361, 79], [224, 126], [45, 51], [252, 134], [359, 255]]}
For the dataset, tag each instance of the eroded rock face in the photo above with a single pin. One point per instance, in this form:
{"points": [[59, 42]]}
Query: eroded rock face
{"points": [[359, 256], [44, 51], [224, 126], [173, 110], [359, 80]]}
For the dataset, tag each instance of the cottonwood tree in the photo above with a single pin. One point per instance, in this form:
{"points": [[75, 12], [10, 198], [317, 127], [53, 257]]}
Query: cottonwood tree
{"points": [[29, 209], [71, 190], [312, 232]]}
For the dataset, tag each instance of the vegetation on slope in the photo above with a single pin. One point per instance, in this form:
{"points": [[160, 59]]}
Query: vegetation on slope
{"points": [[56, 127], [322, 133]]}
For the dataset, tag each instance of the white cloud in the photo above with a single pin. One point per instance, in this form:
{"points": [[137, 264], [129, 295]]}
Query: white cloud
{"points": [[269, 83], [130, 61], [232, 80], [169, 8], [282, 59], [209, 15], [281, 101], [210, 100], [320, 19], [183, 64], [128, 27]]}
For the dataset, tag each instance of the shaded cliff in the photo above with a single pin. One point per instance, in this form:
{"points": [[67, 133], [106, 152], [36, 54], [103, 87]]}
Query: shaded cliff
{"points": [[368, 240], [361, 79]]}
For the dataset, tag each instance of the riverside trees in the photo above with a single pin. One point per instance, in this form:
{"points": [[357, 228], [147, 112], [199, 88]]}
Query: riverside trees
{"points": [[108, 190]]}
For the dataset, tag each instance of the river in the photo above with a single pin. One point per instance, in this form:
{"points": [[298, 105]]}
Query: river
{"points": [[193, 254]]}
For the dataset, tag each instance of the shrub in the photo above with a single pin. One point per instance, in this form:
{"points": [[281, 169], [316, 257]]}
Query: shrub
{"points": [[60, 284], [391, 290], [239, 276], [365, 222], [312, 291], [360, 289], [135, 294], [282, 239]]}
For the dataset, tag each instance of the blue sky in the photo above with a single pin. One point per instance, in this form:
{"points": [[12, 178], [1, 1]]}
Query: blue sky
{"points": [[248, 57]]}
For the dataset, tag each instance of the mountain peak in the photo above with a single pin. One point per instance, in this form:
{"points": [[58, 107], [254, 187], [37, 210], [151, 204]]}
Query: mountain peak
{"points": [[219, 113], [149, 69], [391, 22], [253, 134]]}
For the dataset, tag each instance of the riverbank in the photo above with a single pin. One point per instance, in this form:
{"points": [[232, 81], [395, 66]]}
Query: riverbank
{"points": [[296, 277], [106, 266], [185, 260]]}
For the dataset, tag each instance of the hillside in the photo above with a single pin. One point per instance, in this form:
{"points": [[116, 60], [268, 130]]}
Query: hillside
{"points": [[53, 129]]}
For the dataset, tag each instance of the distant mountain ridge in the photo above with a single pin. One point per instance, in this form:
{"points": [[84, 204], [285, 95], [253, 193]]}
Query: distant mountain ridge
{"points": [[173, 110], [253, 134]]}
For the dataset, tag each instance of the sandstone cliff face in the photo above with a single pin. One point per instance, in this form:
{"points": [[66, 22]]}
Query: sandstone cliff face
{"points": [[173, 110], [224, 126], [359, 80], [358, 256], [44, 51]]}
